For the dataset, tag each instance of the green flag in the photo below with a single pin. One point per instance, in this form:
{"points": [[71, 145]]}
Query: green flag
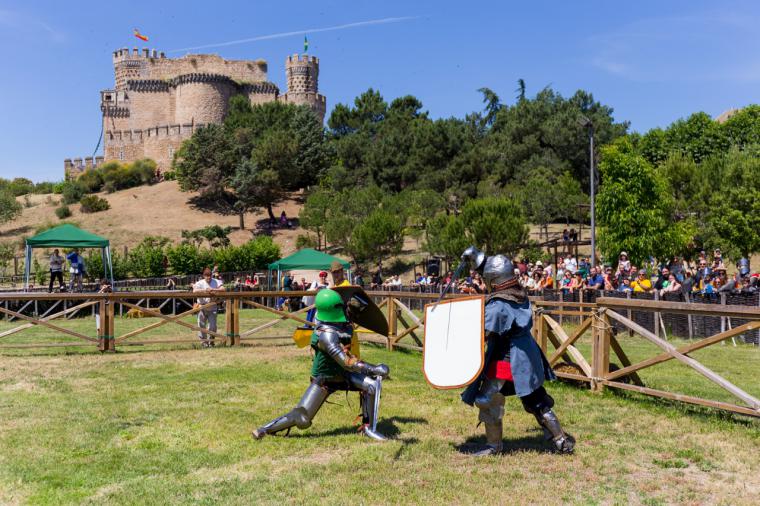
{"points": [[305, 44]]}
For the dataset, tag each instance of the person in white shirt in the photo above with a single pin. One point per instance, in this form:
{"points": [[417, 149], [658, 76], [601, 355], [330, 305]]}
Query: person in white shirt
{"points": [[571, 264], [207, 316], [315, 286]]}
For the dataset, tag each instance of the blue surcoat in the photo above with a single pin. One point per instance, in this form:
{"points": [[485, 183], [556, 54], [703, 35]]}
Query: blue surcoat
{"points": [[513, 321]]}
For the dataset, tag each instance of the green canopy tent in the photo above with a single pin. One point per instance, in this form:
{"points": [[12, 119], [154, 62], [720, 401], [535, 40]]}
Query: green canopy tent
{"points": [[68, 236], [306, 259]]}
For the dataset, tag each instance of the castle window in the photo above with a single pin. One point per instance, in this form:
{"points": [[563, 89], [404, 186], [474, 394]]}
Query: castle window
{"points": [[171, 152], [121, 154]]}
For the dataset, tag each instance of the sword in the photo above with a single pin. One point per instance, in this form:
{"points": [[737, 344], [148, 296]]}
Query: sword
{"points": [[451, 281]]}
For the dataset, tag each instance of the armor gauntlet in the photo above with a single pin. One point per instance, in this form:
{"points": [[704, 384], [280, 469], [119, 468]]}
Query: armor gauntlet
{"points": [[329, 342]]}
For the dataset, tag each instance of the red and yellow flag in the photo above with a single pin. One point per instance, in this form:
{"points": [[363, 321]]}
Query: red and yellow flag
{"points": [[140, 36]]}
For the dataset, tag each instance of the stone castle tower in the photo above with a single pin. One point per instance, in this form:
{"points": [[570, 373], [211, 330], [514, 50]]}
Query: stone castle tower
{"points": [[158, 102]]}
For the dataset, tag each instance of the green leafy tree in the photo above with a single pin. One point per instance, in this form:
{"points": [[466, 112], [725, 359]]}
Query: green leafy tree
{"points": [[495, 225], [635, 209], [10, 209], [206, 161], [378, 236], [733, 213], [313, 215], [147, 258], [445, 236]]}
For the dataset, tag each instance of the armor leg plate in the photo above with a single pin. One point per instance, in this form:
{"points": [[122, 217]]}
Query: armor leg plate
{"points": [[494, 444], [300, 416], [490, 402], [539, 404], [370, 396]]}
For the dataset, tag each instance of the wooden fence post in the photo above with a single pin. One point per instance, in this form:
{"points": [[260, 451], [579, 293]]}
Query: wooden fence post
{"points": [[111, 322], [102, 339], [232, 321], [600, 331], [392, 322]]}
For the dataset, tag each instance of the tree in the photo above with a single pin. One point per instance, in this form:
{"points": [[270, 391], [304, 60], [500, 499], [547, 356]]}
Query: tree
{"points": [[313, 215], [541, 198], [445, 236], [493, 105], [733, 213], [379, 235], [147, 258], [10, 209], [495, 225], [206, 162], [635, 210]]}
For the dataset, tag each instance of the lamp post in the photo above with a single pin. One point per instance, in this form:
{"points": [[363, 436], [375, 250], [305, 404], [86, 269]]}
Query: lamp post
{"points": [[584, 121]]}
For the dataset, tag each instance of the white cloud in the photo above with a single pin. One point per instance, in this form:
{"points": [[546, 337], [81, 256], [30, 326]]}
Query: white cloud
{"points": [[26, 23], [298, 32]]}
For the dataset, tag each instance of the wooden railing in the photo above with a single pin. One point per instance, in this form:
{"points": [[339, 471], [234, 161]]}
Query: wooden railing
{"points": [[603, 319]]}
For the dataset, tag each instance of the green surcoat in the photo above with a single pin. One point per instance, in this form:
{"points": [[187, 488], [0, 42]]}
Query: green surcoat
{"points": [[323, 364]]}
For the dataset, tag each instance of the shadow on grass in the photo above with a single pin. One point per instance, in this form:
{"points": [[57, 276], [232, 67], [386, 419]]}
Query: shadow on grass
{"points": [[526, 443], [386, 427]]}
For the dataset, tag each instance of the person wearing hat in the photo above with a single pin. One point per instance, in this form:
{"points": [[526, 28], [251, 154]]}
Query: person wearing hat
{"points": [[624, 262], [338, 274], [334, 368]]}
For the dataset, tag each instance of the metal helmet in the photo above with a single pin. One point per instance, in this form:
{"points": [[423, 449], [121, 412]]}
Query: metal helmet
{"points": [[499, 273], [474, 257], [330, 306]]}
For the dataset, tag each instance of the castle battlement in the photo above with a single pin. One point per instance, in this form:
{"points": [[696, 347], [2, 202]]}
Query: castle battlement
{"points": [[74, 167], [160, 131], [296, 58], [125, 54]]}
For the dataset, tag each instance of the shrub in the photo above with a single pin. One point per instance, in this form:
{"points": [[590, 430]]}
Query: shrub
{"points": [[92, 180], [94, 204], [305, 241], [72, 191], [58, 187], [147, 259], [63, 212], [188, 259], [44, 187], [94, 264], [170, 175], [20, 186]]}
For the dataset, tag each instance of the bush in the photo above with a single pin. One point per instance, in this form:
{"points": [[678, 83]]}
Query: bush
{"points": [[170, 175], [305, 241], [58, 187], [147, 259], [19, 186], [72, 191], [92, 180], [63, 212], [188, 259], [44, 187], [94, 204], [94, 265]]}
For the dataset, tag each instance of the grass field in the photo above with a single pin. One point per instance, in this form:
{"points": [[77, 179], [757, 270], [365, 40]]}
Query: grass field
{"points": [[169, 424]]}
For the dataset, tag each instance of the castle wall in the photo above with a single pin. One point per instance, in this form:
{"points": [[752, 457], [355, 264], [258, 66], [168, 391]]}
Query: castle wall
{"points": [[149, 108], [203, 101], [157, 143]]}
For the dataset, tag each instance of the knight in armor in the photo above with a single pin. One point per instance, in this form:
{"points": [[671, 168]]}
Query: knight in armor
{"points": [[514, 363], [334, 368]]}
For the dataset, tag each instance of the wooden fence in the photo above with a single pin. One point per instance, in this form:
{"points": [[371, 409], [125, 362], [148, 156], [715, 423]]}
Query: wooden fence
{"points": [[603, 319]]}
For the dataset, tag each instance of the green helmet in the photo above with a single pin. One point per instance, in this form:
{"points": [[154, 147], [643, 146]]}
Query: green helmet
{"points": [[330, 306]]}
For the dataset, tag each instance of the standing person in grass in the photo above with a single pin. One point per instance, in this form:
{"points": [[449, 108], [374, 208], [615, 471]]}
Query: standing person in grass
{"points": [[207, 316], [56, 271], [514, 364], [334, 368]]}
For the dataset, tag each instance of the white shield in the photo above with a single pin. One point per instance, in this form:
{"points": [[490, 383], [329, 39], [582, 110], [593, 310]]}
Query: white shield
{"points": [[452, 355]]}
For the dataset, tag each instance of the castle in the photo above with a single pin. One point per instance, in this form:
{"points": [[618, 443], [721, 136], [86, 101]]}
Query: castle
{"points": [[158, 102]]}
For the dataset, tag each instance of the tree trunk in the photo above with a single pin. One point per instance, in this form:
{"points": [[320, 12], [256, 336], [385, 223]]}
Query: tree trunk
{"points": [[242, 220], [270, 211]]}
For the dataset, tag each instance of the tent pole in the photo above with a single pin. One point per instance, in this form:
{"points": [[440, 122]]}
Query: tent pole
{"points": [[27, 267]]}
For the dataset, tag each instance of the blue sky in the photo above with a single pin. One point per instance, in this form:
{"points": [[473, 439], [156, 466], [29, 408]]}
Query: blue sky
{"points": [[652, 61]]}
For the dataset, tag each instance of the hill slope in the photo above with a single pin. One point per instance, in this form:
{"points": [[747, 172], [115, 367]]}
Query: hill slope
{"points": [[160, 209]]}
